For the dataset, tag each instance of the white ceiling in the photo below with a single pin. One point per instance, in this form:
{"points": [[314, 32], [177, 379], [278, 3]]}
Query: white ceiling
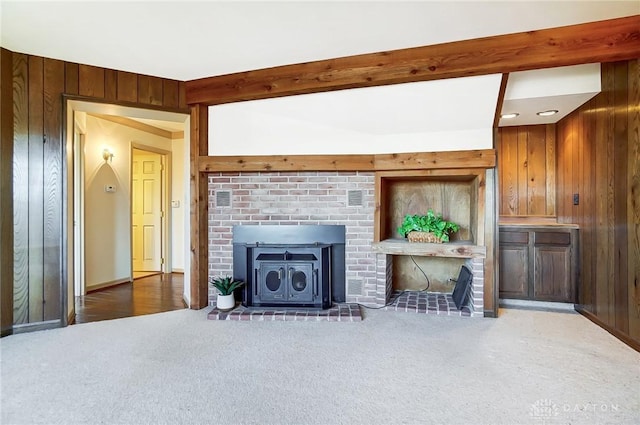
{"points": [[188, 40]]}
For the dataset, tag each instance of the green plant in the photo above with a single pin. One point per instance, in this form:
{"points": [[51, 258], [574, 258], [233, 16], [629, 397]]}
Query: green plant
{"points": [[226, 285], [428, 223]]}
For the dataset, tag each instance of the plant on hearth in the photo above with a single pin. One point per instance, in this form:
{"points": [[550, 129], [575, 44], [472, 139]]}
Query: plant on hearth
{"points": [[430, 223], [226, 285]]}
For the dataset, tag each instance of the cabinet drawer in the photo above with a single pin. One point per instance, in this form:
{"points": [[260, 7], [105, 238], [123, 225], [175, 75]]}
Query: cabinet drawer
{"points": [[552, 238], [514, 237]]}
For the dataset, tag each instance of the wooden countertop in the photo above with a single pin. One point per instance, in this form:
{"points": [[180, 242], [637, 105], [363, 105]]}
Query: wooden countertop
{"points": [[542, 225]]}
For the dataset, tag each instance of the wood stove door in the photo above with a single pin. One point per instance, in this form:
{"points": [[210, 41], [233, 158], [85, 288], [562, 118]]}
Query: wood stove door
{"points": [[301, 282], [271, 285]]}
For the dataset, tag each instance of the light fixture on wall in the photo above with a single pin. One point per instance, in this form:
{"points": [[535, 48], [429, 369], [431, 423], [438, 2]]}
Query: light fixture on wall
{"points": [[510, 115], [547, 113], [107, 155]]}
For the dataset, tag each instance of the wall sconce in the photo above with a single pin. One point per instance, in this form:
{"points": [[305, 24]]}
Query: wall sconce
{"points": [[107, 155]]}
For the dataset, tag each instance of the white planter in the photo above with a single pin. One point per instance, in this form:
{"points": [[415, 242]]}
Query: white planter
{"points": [[226, 302]]}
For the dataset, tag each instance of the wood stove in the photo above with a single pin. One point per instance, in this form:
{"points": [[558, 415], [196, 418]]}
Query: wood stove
{"points": [[290, 266]]}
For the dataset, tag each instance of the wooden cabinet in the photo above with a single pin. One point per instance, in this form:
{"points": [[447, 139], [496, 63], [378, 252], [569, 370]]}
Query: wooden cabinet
{"points": [[538, 262]]}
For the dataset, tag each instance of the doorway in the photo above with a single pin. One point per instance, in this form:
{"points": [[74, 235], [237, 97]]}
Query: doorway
{"points": [[150, 190], [98, 204]]}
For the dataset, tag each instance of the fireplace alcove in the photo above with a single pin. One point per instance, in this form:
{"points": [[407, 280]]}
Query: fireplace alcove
{"points": [[459, 195], [290, 265]]}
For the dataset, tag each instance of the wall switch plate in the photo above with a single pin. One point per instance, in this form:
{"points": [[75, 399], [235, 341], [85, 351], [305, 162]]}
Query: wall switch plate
{"points": [[576, 199], [109, 188], [175, 204]]}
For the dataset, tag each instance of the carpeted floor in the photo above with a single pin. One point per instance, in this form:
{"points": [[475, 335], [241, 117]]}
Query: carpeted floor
{"points": [[527, 367]]}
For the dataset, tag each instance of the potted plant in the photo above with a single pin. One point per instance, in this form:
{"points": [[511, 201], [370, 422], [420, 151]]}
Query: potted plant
{"points": [[427, 228], [226, 285]]}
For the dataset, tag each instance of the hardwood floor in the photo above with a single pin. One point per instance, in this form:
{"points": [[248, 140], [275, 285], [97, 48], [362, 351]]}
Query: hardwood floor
{"points": [[153, 294]]}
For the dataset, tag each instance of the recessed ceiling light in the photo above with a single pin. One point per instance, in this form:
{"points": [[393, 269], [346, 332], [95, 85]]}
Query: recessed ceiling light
{"points": [[547, 113], [508, 116]]}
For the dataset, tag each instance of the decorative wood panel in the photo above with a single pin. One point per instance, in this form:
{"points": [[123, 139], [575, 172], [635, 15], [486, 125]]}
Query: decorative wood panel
{"points": [[597, 157], [127, 87], [149, 90], [72, 78], [52, 185], [91, 81], [110, 84], [615, 39], [514, 271], [35, 188], [526, 159], [6, 191], [633, 200], [170, 93], [21, 181]]}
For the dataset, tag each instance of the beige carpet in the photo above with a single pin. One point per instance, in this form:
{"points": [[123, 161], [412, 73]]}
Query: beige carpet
{"points": [[527, 367]]}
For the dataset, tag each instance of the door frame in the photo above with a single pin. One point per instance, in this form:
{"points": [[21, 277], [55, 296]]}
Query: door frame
{"points": [[165, 194]]}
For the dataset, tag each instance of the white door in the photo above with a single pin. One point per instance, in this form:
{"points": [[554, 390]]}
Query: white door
{"points": [[146, 211]]}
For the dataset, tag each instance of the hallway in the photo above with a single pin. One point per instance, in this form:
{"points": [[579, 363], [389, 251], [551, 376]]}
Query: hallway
{"points": [[147, 295]]}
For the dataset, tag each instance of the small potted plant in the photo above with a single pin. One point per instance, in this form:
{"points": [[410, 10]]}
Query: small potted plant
{"points": [[226, 285], [429, 228]]}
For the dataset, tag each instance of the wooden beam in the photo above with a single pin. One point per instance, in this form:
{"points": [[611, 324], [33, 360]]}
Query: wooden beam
{"points": [[595, 42], [287, 163], [368, 162], [198, 208]]}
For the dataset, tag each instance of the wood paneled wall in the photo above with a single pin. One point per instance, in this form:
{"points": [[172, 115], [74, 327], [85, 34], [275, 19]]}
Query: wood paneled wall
{"points": [[6, 193], [37, 116], [527, 164], [598, 158]]}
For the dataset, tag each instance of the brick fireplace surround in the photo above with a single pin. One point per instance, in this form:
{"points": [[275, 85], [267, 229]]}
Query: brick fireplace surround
{"points": [[294, 198]]}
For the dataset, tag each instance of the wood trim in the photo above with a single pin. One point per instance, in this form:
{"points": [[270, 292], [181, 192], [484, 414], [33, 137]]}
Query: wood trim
{"points": [[601, 41], [450, 250], [137, 125], [6, 192], [177, 135], [613, 331], [501, 92], [368, 162], [271, 163], [198, 207]]}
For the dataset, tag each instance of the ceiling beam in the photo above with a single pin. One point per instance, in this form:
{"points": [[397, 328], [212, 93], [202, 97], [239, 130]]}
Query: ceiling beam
{"points": [[595, 42]]}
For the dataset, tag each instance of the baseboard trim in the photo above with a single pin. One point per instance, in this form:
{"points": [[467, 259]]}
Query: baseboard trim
{"points": [[177, 271], [39, 326], [108, 284], [185, 301], [71, 318], [490, 313], [613, 331]]}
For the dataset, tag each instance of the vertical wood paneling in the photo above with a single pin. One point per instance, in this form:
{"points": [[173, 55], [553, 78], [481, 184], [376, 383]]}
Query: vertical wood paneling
{"points": [[127, 87], [536, 171], [602, 140], [550, 169], [91, 81], [21, 181], [601, 207], [35, 188], [182, 95], [52, 154], [37, 87], [521, 201], [621, 196], [71, 74], [6, 191], [149, 90], [508, 160], [633, 203], [110, 84], [170, 94], [527, 163]]}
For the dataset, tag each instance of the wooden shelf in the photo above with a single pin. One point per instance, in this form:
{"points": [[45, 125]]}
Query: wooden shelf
{"points": [[458, 249]]}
